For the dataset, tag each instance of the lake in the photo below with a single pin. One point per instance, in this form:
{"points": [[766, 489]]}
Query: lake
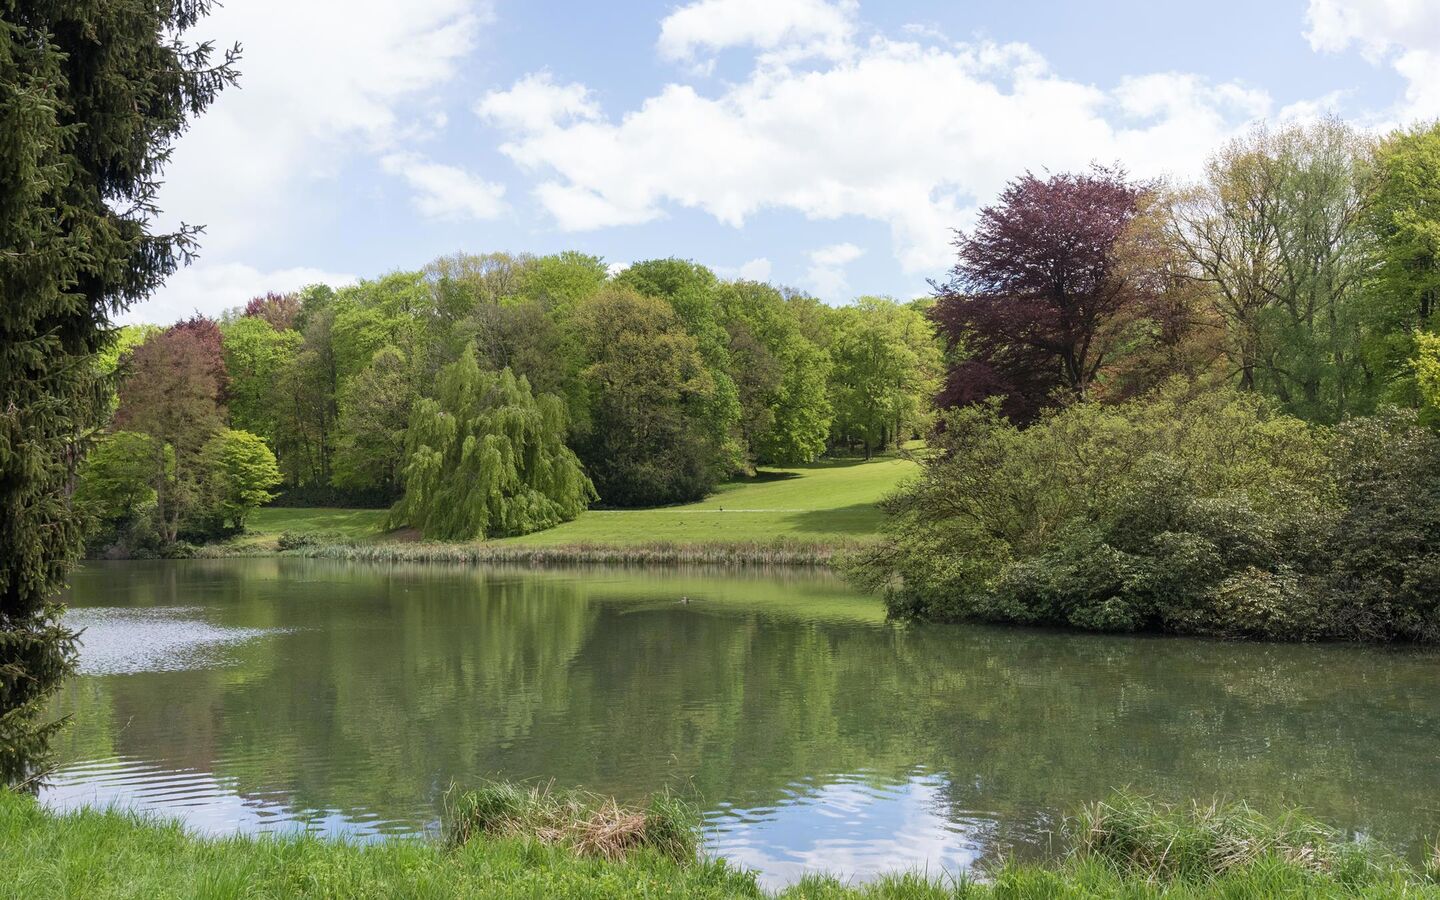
{"points": [[343, 698]]}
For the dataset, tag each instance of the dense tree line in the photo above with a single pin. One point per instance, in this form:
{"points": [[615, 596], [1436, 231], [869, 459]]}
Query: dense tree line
{"points": [[553, 383], [1204, 408]]}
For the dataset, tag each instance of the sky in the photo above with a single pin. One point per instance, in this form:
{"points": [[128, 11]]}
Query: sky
{"points": [[833, 146]]}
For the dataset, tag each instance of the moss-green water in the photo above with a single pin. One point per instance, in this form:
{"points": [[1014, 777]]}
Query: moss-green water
{"points": [[346, 698]]}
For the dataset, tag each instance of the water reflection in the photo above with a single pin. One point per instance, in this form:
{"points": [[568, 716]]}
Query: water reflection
{"points": [[279, 693], [850, 824]]}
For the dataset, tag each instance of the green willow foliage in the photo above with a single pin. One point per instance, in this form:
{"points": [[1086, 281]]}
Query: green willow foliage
{"points": [[91, 97], [487, 458]]}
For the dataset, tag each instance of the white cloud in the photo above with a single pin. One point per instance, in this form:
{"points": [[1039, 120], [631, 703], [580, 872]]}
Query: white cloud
{"points": [[1405, 33], [537, 103], [827, 269], [213, 288], [321, 82], [788, 29], [446, 192], [909, 135], [756, 270]]}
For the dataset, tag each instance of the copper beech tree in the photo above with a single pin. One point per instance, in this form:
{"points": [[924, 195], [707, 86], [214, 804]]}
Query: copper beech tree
{"points": [[1041, 297]]}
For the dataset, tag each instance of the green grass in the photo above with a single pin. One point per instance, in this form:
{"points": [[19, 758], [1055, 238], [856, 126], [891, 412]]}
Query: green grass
{"points": [[271, 521], [830, 500], [823, 503], [503, 847]]}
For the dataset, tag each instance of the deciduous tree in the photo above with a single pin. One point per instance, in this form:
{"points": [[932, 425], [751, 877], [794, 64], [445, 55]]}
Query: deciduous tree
{"points": [[239, 471], [1276, 230], [648, 391], [487, 458], [171, 391], [1037, 303]]}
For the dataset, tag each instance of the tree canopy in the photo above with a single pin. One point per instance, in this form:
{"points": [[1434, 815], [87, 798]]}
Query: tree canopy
{"points": [[485, 457]]}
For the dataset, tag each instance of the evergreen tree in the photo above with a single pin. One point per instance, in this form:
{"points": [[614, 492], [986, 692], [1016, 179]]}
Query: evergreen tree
{"points": [[92, 95], [487, 458]]}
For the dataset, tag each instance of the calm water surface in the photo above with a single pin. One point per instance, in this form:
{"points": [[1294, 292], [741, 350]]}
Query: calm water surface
{"points": [[277, 694]]}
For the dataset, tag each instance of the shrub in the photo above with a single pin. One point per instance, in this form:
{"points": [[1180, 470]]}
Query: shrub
{"points": [[1196, 512], [1383, 581], [295, 540]]}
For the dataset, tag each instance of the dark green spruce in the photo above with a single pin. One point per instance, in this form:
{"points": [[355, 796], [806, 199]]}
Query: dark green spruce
{"points": [[92, 96]]}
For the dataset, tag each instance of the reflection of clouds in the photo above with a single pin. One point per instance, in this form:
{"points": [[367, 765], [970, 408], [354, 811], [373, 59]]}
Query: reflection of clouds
{"points": [[119, 641], [855, 828], [197, 799]]}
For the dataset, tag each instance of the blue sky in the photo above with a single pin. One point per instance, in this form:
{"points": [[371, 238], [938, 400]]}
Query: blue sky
{"points": [[829, 145]]}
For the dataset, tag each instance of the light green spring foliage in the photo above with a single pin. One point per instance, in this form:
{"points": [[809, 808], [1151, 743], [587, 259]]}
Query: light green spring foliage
{"points": [[485, 458], [781, 375], [561, 280], [648, 392], [388, 311], [119, 476], [1404, 214], [126, 338], [1427, 370], [239, 470], [692, 291], [1277, 227], [374, 409], [255, 355], [886, 367], [333, 397]]}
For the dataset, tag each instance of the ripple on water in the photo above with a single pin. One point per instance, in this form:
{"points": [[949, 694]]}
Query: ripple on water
{"points": [[116, 641], [200, 801]]}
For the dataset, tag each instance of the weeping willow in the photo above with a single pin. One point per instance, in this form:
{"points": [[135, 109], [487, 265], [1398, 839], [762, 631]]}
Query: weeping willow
{"points": [[485, 457]]}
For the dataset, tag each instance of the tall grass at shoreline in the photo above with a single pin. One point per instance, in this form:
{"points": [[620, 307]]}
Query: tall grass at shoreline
{"points": [[772, 553], [588, 824], [516, 841]]}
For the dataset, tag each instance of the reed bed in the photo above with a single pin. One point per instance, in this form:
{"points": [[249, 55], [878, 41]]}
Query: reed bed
{"points": [[777, 553], [1162, 842]]}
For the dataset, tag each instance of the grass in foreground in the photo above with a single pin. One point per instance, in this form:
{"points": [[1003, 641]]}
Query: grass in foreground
{"points": [[821, 505], [507, 841]]}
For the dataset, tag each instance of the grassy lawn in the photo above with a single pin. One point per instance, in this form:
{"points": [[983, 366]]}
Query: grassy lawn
{"points": [[272, 521], [823, 501], [830, 500]]}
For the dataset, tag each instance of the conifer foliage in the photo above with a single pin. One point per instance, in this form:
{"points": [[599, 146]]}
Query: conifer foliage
{"points": [[91, 97], [486, 457]]}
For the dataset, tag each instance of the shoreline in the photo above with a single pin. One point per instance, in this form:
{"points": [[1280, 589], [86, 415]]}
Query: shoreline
{"points": [[743, 555], [511, 841]]}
